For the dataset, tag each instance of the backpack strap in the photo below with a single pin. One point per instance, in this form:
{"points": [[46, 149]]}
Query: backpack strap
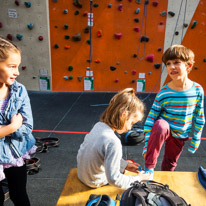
{"points": [[94, 200], [174, 200]]}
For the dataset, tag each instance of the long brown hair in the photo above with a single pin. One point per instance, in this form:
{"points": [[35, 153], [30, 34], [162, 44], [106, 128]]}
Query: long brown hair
{"points": [[125, 100]]}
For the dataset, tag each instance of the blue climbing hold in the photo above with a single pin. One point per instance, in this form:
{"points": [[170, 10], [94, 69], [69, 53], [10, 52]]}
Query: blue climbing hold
{"points": [[19, 37], [30, 26], [27, 4]]}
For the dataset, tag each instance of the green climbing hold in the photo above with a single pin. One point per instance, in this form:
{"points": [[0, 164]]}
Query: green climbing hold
{"points": [[96, 5], [112, 68], [138, 1], [194, 23], [70, 77], [66, 26], [136, 20], [67, 37], [56, 46], [70, 68], [137, 11], [88, 41], [76, 12], [163, 13], [204, 60]]}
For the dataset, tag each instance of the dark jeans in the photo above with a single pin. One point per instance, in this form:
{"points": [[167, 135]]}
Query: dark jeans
{"points": [[173, 147], [16, 178]]}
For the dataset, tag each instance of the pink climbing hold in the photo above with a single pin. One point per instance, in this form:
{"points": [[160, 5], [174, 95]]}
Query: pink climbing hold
{"points": [[9, 37], [161, 23], [1, 24], [118, 35], [134, 72], [120, 7], [116, 80], [155, 3], [136, 28], [41, 38], [150, 58]]}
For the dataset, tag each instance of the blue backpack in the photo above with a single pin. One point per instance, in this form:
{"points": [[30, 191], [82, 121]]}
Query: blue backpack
{"points": [[100, 200]]}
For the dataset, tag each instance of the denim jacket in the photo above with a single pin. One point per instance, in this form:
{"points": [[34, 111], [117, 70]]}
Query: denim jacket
{"points": [[22, 139]]}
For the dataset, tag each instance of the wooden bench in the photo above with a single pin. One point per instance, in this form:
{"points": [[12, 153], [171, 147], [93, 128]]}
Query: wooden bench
{"points": [[185, 184]]}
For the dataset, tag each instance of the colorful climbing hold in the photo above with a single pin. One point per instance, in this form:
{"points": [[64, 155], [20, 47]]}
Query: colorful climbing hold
{"points": [[88, 68], [117, 63], [116, 80], [144, 38], [40, 38], [109, 5], [88, 41], [134, 55], [112, 68], [136, 28], [23, 67], [19, 37], [138, 1], [137, 11], [149, 73], [17, 2], [1, 24], [67, 37], [66, 77], [86, 30], [70, 68], [70, 77], [161, 23], [97, 61], [163, 13], [66, 26], [27, 4], [157, 66], [77, 3], [99, 33], [204, 60], [118, 35], [96, 5], [76, 12], [85, 13], [194, 23], [196, 68], [185, 25], [56, 26], [9, 37], [30, 26], [77, 37], [150, 58], [136, 20], [56, 46], [134, 72], [79, 78], [65, 11], [155, 3], [176, 33], [55, 1], [125, 72], [133, 81], [159, 49], [171, 13], [67, 46], [120, 7]]}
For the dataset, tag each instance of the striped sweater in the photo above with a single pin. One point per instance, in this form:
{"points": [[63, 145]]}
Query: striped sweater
{"points": [[180, 109]]}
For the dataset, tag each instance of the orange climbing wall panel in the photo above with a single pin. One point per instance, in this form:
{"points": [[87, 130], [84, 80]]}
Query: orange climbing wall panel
{"points": [[196, 40], [106, 48]]}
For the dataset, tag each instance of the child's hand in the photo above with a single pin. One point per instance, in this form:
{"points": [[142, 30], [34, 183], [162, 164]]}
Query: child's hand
{"points": [[145, 176], [17, 121], [132, 167]]}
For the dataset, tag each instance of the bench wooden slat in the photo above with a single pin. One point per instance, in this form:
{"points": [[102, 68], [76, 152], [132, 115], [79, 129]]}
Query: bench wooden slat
{"points": [[185, 184]]}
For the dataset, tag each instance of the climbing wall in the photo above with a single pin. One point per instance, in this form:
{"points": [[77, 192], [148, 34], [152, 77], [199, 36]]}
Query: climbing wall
{"points": [[127, 41], [26, 23], [193, 35]]}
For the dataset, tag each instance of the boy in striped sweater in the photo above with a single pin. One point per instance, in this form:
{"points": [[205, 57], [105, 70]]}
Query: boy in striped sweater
{"points": [[178, 105]]}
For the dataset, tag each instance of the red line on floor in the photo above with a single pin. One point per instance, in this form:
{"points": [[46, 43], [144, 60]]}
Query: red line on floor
{"points": [[70, 132], [73, 132]]}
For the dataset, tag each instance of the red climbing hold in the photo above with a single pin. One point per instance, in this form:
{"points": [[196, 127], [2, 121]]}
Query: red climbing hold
{"points": [[155, 3], [9, 37], [120, 7], [150, 58], [41, 38], [136, 28], [97, 61], [99, 33], [118, 35], [134, 72], [23, 67]]}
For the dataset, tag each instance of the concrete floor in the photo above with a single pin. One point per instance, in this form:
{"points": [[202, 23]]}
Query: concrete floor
{"points": [[67, 112]]}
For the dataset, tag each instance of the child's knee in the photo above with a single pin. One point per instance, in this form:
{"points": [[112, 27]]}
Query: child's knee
{"points": [[161, 126]]}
